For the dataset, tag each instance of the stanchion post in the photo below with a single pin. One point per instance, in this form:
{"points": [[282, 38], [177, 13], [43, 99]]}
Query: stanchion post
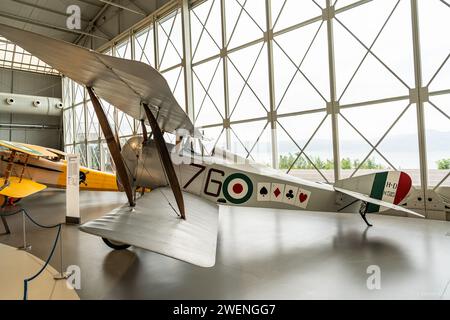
{"points": [[25, 247], [62, 275]]}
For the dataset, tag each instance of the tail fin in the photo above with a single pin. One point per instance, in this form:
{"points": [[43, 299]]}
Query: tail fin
{"points": [[390, 187]]}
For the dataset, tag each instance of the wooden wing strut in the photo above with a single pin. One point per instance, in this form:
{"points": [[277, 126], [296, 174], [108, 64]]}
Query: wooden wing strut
{"points": [[113, 146], [166, 161]]}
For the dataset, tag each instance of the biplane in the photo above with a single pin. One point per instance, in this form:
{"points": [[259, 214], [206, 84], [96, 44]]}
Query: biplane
{"points": [[179, 218], [27, 169]]}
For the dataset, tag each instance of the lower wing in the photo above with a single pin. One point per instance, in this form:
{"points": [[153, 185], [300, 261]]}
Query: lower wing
{"points": [[19, 188], [154, 225]]}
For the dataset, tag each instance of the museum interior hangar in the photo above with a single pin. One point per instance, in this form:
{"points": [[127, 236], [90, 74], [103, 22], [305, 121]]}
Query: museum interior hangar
{"points": [[323, 90]]}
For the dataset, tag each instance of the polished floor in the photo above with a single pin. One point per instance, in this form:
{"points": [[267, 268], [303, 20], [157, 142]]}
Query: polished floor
{"points": [[261, 254]]}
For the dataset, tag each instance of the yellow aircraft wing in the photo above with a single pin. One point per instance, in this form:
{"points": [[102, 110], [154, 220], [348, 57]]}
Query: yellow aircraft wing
{"points": [[20, 189], [57, 152], [20, 147]]}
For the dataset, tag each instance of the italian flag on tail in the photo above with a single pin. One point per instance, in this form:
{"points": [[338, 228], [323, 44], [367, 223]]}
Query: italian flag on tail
{"points": [[390, 187]]}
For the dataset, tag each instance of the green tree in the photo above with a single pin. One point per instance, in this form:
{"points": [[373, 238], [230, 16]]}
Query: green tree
{"points": [[286, 161], [346, 163], [443, 164]]}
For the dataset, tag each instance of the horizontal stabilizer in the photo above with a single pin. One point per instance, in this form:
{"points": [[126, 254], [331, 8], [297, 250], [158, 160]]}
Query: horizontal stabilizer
{"points": [[153, 225], [388, 186], [380, 203]]}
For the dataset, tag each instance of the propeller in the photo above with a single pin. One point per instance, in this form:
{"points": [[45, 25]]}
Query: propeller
{"points": [[113, 146], [165, 159]]}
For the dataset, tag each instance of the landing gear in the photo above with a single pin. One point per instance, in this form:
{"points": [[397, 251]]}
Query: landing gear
{"points": [[115, 245], [4, 202], [363, 212]]}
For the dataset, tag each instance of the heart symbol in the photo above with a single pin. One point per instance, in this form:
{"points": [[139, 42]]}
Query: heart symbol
{"points": [[302, 197]]}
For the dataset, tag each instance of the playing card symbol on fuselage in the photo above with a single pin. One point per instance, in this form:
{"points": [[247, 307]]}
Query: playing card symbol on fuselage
{"points": [[290, 194], [302, 197], [263, 191], [277, 192]]}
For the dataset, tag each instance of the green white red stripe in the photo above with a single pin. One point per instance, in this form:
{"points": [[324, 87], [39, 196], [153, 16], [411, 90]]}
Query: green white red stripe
{"points": [[390, 187]]}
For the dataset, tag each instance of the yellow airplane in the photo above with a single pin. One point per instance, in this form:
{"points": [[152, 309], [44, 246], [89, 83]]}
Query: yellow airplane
{"points": [[27, 169]]}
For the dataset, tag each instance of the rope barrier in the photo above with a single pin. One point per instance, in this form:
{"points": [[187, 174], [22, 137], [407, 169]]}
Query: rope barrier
{"points": [[59, 226]]}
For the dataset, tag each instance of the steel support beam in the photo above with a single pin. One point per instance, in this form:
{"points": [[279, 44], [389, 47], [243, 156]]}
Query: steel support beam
{"points": [[92, 23], [333, 96], [224, 56], [420, 101], [48, 25], [113, 146], [47, 9], [123, 7], [187, 60], [272, 104]]}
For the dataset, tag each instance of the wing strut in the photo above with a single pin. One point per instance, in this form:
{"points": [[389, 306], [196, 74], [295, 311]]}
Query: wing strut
{"points": [[166, 161], [9, 169], [113, 146], [144, 131]]}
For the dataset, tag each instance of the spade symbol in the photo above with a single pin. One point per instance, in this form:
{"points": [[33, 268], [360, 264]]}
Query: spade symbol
{"points": [[263, 191], [290, 194]]}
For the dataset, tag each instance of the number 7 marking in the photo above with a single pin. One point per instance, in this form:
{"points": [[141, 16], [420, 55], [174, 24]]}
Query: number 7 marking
{"points": [[202, 168]]}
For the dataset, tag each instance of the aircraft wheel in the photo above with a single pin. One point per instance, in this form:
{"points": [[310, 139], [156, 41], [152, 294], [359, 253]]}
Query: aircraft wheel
{"points": [[115, 245]]}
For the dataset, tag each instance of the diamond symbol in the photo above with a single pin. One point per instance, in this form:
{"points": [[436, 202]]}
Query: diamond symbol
{"points": [[277, 192]]}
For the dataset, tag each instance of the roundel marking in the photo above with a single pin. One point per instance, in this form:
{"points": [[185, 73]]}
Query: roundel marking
{"points": [[237, 188]]}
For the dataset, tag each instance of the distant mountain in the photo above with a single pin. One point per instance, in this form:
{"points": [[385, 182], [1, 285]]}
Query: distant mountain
{"points": [[437, 141]]}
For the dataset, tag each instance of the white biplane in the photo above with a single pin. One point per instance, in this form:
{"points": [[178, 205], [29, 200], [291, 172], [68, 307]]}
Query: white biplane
{"points": [[179, 218]]}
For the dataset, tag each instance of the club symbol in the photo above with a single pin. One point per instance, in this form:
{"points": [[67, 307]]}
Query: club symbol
{"points": [[290, 194]]}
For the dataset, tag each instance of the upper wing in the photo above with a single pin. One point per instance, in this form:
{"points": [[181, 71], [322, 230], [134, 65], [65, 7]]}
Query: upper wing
{"points": [[123, 83], [153, 225], [366, 198], [57, 152], [31, 150]]}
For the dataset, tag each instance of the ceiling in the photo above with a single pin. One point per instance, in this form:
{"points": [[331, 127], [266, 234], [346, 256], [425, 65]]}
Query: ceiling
{"points": [[101, 20]]}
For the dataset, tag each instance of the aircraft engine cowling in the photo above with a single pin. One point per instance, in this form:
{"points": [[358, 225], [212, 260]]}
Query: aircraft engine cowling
{"points": [[143, 163]]}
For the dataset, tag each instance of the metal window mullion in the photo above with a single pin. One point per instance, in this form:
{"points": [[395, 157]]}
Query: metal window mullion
{"points": [[381, 139], [442, 181], [439, 93], [85, 111], [272, 102], [207, 95], [440, 110], [187, 59], [246, 84], [298, 67], [420, 102], [155, 44], [225, 71], [368, 142], [334, 112]]}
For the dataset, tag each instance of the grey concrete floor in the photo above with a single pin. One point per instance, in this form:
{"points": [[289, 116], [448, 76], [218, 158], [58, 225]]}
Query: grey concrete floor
{"points": [[261, 254]]}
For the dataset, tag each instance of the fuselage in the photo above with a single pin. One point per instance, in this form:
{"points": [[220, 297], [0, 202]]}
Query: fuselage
{"points": [[228, 179], [53, 173]]}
